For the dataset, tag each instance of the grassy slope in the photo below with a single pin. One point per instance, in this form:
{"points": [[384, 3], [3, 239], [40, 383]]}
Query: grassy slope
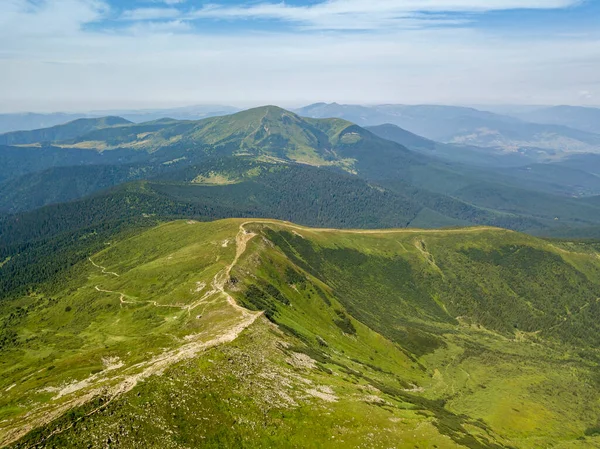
{"points": [[476, 338], [76, 332]]}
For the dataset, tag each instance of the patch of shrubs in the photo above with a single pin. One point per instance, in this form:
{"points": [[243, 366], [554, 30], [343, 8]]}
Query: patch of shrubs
{"points": [[344, 323]]}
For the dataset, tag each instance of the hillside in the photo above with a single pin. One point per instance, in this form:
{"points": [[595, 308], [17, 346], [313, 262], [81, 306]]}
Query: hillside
{"points": [[240, 182], [420, 187], [265, 131], [573, 176], [587, 162], [18, 161], [263, 333], [244, 187], [224, 188], [66, 131], [470, 155]]}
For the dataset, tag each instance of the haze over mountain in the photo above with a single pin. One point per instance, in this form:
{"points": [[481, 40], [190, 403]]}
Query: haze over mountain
{"points": [[457, 153], [30, 121], [577, 117], [468, 126]]}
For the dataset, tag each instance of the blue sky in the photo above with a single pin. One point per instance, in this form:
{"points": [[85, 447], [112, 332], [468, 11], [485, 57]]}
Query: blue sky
{"points": [[107, 54]]}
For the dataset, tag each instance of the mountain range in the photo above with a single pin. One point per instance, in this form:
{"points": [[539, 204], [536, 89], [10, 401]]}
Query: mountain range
{"points": [[69, 161], [267, 279], [535, 132], [469, 126], [29, 121], [577, 117]]}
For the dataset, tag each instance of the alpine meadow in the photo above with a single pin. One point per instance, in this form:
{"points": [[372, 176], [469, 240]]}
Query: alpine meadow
{"points": [[302, 224]]}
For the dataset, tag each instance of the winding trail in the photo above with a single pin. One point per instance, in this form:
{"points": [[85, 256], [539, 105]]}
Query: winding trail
{"points": [[102, 268], [566, 318], [113, 387], [123, 301], [222, 278]]}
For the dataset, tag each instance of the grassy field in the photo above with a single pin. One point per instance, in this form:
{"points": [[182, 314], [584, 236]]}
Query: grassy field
{"points": [[476, 337]]}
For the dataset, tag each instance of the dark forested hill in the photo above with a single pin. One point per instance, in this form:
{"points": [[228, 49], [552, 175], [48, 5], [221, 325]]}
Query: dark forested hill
{"points": [[232, 187], [17, 161]]}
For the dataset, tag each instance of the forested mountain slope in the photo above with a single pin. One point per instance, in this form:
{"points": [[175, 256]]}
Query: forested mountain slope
{"points": [[422, 190], [18, 161], [245, 187]]}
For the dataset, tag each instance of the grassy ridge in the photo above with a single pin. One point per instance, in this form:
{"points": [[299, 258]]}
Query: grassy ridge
{"points": [[478, 338]]}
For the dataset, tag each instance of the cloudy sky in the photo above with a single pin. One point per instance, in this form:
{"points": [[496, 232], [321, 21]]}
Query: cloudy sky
{"points": [[108, 54]]}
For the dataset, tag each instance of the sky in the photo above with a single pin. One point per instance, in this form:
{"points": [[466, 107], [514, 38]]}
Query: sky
{"points": [[81, 55]]}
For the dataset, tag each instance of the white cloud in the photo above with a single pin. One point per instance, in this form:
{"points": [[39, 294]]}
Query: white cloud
{"points": [[52, 60], [348, 14], [48, 17], [151, 14], [370, 14]]}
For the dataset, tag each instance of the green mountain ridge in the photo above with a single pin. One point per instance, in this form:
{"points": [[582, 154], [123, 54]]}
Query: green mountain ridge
{"points": [[267, 130], [245, 188], [120, 328], [261, 333], [67, 131], [437, 192], [31, 120]]}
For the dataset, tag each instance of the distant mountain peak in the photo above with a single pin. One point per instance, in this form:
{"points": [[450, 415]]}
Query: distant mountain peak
{"points": [[111, 120], [69, 130]]}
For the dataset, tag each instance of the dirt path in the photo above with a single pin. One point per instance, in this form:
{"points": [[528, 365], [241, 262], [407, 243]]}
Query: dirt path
{"points": [[113, 387], [102, 268], [222, 278], [122, 300], [241, 241], [124, 383], [566, 318]]}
